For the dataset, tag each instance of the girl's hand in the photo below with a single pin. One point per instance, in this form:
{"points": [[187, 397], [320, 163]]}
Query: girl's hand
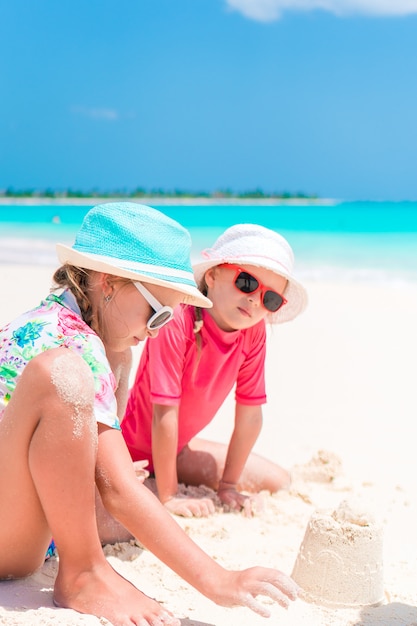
{"points": [[243, 587], [229, 496], [140, 471], [190, 507]]}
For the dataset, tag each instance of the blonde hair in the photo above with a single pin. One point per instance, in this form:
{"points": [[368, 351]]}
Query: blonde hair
{"points": [[198, 312], [78, 281], [198, 324]]}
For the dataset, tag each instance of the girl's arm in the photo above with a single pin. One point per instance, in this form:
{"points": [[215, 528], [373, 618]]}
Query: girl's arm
{"points": [[164, 456], [248, 424], [132, 504], [121, 365], [164, 450]]}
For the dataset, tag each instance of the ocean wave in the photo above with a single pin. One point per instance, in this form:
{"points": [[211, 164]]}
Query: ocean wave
{"points": [[365, 275], [21, 251], [340, 268]]}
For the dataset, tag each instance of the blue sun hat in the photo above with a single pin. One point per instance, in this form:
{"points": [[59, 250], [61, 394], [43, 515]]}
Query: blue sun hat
{"points": [[135, 241]]}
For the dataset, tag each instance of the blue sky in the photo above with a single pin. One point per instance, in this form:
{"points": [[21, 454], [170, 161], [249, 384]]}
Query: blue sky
{"points": [[319, 98]]}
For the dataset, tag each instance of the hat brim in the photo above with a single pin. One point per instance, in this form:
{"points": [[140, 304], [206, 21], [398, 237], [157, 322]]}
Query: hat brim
{"points": [[108, 265], [294, 293]]}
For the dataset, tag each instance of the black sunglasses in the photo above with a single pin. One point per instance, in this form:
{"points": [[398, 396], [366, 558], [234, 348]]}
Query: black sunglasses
{"points": [[246, 283]]}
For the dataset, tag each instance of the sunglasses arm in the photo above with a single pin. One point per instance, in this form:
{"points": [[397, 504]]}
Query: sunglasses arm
{"points": [[157, 306]]}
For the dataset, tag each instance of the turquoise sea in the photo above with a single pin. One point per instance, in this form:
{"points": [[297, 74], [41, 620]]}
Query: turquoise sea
{"points": [[362, 241]]}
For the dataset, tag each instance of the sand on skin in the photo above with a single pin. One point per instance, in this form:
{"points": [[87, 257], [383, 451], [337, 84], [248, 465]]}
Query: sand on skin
{"points": [[341, 384]]}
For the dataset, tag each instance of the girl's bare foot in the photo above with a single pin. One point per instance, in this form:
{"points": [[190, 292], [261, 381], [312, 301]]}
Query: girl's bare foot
{"points": [[104, 593]]}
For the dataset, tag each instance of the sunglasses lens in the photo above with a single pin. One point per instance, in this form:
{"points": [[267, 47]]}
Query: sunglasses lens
{"points": [[272, 301], [246, 283], [159, 319]]}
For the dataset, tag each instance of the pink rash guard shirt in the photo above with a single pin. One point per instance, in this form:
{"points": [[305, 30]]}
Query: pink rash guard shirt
{"points": [[171, 373]]}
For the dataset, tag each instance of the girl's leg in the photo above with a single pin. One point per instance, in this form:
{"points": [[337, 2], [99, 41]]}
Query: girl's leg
{"points": [[109, 529], [202, 463], [48, 442]]}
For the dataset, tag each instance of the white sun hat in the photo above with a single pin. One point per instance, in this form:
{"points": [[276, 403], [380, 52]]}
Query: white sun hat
{"points": [[135, 241], [252, 244]]}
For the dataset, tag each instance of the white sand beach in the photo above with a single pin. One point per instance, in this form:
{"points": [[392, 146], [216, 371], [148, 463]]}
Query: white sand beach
{"points": [[340, 413]]}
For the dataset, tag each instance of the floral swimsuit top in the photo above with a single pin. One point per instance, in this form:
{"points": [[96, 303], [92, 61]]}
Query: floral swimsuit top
{"points": [[56, 322]]}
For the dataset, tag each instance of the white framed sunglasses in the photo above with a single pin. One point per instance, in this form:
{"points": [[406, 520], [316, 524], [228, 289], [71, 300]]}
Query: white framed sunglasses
{"points": [[163, 314]]}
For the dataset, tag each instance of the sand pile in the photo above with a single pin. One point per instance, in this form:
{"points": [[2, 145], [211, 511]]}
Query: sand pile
{"points": [[340, 559]]}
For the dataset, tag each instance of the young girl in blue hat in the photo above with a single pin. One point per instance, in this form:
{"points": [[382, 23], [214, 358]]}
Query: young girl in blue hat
{"points": [[63, 370], [185, 375]]}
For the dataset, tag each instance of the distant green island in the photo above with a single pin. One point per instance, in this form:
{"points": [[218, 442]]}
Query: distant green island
{"points": [[255, 194]]}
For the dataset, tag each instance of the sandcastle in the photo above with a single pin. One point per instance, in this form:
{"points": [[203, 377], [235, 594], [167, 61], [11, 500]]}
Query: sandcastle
{"points": [[339, 563]]}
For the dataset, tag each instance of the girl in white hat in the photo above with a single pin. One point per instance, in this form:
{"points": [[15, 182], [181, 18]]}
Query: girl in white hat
{"points": [[185, 375], [63, 371]]}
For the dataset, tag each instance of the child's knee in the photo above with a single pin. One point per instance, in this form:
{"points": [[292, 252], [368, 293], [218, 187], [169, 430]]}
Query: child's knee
{"points": [[281, 479]]}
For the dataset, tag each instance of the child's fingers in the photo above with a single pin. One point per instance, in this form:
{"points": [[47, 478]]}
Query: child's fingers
{"points": [[251, 603], [281, 589], [277, 586], [140, 471], [190, 507], [271, 591], [232, 498]]}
